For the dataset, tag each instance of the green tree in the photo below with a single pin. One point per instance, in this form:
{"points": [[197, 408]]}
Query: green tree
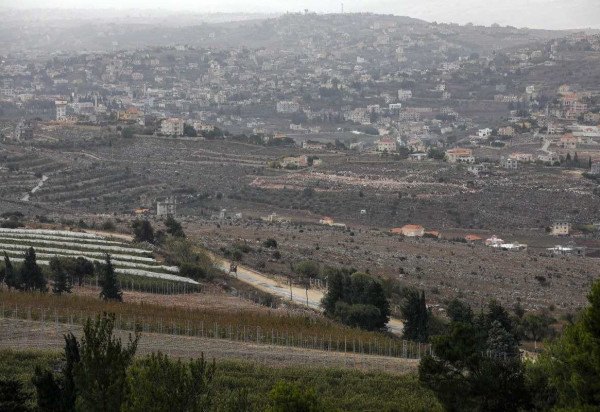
{"points": [[101, 374], [83, 268], [8, 273], [174, 228], [48, 391], [536, 327], [476, 367], [573, 360], [108, 282], [289, 397], [415, 316], [459, 311], [160, 384], [12, 396], [188, 130], [355, 299], [62, 283], [270, 243], [57, 392], [143, 231], [307, 269], [31, 276], [127, 132]]}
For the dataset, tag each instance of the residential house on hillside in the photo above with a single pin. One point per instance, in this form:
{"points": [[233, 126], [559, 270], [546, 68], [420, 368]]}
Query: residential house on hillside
{"points": [[409, 230], [560, 228], [508, 131], [386, 144], [172, 127], [313, 145], [549, 158], [568, 141], [460, 155], [522, 157], [509, 163]]}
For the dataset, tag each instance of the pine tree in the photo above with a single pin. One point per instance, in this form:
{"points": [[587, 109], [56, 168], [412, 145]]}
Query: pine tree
{"points": [[108, 282], [101, 373], [62, 282], [174, 228], [31, 276]]}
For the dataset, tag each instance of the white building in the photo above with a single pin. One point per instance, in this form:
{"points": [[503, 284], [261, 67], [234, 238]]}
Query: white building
{"points": [[61, 109], [166, 207], [561, 229], [286, 106], [404, 94], [172, 127], [487, 132], [386, 144]]}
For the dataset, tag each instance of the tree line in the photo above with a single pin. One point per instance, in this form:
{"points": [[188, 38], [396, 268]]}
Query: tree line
{"points": [[29, 276]]}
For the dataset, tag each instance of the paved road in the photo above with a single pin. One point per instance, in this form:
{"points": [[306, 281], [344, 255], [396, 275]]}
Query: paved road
{"points": [[312, 298]]}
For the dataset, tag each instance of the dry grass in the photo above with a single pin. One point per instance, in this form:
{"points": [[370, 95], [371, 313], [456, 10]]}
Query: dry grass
{"points": [[261, 327], [24, 334]]}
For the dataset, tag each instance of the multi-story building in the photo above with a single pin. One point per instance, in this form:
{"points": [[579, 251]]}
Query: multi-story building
{"points": [[172, 127], [560, 228], [166, 207], [61, 109]]}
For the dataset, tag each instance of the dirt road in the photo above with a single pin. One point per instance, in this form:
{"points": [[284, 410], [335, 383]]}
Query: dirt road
{"points": [[311, 298]]}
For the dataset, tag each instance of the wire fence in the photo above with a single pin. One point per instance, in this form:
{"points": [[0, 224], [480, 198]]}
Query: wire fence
{"points": [[384, 346]]}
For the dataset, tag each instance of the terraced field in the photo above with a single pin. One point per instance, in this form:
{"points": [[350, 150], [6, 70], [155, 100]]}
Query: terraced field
{"points": [[127, 259]]}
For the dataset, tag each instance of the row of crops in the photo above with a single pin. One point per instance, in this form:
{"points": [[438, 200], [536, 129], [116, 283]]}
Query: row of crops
{"points": [[127, 259]]}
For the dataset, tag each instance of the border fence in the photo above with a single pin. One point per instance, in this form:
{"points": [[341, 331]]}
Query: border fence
{"points": [[384, 346]]}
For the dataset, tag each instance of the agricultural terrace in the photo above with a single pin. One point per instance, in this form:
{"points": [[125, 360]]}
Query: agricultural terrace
{"points": [[127, 259]]}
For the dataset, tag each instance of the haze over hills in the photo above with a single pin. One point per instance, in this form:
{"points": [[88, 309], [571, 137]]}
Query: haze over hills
{"points": [[555, 14], [50, 32]]}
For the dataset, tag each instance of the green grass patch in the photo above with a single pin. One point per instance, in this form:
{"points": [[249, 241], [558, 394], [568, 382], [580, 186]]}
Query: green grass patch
{"points": [[345, 390]]}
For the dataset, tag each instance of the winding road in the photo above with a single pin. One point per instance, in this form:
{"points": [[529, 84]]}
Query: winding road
{"points": [[311, 298]]}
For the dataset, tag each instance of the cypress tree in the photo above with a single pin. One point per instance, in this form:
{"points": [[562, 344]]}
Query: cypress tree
{"points": [[108, 281], [61, 280], [8, 273], [31, 276], [416, 317]]}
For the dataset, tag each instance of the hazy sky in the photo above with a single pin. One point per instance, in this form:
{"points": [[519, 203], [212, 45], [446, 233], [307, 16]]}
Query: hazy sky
{"points": [[520, 13]]}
